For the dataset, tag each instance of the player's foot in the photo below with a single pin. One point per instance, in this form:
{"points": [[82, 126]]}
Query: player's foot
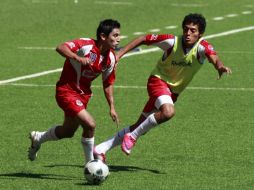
{"points": [[99, 156], [35, 145], [128, 143]]}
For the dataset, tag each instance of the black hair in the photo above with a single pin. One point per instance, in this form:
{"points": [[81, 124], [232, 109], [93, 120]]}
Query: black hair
{"points": [[107, 26], [196, 19]]}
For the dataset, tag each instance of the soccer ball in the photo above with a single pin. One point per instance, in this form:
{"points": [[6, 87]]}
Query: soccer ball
{"points": [[96, 172]]}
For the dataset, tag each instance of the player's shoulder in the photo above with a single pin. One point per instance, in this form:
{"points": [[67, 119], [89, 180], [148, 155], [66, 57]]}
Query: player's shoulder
{"points": [[205, 44], [206, 47], [87, 41]]}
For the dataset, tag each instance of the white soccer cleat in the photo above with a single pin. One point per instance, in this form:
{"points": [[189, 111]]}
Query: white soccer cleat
{"points": [[99, 156], [35, 145]]}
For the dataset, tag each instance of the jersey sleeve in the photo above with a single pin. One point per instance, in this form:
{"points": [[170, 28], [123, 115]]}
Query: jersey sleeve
{"points": [[108, 74], [163, 41], [205, 49], [77, 44]]}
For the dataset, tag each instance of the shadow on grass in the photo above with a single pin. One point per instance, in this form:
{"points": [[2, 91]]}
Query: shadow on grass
{"points": [[35, 176], [112, 168], [18, 175], [43, 176]]}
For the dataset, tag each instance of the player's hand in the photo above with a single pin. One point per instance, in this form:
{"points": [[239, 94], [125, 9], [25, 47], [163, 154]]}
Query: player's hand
{"points": [[114, 117], [83, 60], [223, 70]]}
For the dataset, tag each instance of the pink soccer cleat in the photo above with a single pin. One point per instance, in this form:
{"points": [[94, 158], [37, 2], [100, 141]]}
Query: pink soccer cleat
{"points": [[128, 143]]}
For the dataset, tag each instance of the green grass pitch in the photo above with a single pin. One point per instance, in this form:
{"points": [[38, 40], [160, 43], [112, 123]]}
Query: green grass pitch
{"points": [[207, 145]]}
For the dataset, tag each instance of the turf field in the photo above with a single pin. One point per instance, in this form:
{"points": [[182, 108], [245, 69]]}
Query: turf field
{"points": [[207, 145]]}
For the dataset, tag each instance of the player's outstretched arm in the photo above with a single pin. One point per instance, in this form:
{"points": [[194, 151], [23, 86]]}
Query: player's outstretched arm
{"points": [[133, 44], [219, 66]]}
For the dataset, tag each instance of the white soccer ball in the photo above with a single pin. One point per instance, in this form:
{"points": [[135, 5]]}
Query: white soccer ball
{"points": [[96, 172]]}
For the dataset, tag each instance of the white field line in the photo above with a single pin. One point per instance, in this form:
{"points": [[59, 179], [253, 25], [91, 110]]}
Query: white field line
{"points": [[134, 87], [187, 5], [30, 76], [127, 55], [112, 3], [230, 32], [37, 48]]}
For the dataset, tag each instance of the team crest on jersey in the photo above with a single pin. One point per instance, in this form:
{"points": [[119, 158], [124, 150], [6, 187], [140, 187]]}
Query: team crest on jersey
{"points": [[154, 37], [93, 56], [79, 103]]}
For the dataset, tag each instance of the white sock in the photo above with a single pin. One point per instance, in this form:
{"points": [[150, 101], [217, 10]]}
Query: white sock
{"points": [[112, 142], [88, 144], [144, 127], [47, 135]]}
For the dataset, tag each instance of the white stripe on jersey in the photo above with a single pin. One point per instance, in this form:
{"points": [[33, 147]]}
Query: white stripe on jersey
{"points": [[84, 50], [77, 67], [109, 70], [85, 38], [201, 53]]}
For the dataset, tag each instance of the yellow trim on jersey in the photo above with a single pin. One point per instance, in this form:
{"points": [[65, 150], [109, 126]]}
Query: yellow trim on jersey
{"points": [[178, 68]]}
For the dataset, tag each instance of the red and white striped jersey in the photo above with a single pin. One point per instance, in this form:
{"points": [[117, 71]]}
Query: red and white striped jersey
{"points": [[79, 77]]}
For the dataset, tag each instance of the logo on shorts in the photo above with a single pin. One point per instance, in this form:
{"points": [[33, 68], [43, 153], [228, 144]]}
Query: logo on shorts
{"points": [[79, 103]]}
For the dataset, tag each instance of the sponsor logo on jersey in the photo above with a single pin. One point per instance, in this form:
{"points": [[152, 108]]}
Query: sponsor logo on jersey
{"points": [[181, 63], [79, 103]]}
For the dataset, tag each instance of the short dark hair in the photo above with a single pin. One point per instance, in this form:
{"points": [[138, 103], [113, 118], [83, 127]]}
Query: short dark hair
{"points": [[196, 19], [107, 26]]}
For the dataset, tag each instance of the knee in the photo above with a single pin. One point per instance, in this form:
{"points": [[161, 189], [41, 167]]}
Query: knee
{"points": [[88, 129], [168, 113], [91, 125]]}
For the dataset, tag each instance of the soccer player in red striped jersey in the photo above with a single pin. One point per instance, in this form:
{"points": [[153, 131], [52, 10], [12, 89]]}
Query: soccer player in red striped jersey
{"points": [[85, 60], [182, 57]]}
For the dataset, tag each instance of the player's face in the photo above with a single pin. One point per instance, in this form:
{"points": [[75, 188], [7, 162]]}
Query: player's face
{"points": [[113, 38], [190, 34]]}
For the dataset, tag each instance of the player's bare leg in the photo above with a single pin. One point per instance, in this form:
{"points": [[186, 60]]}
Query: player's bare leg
{"points": [[166, 112], [87, 140], [66, 130]]}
